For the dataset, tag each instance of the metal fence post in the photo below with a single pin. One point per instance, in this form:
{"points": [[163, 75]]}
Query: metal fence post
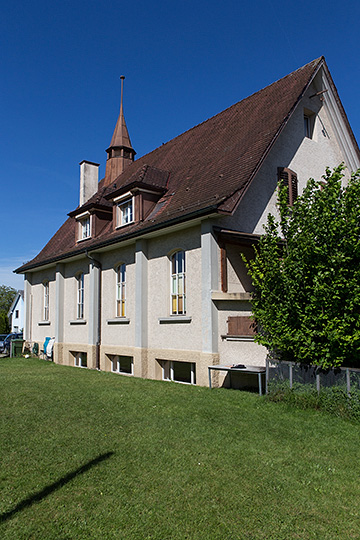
{"points": [[267, 375], [348, 381]]}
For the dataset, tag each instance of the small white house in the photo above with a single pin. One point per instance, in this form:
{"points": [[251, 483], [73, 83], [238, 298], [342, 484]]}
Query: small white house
{"points": [[16, 313]]}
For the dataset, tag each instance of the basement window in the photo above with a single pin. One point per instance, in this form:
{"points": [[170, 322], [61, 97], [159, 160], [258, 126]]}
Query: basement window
{"points": [[183, 372], [122, 364], [80, 359]]}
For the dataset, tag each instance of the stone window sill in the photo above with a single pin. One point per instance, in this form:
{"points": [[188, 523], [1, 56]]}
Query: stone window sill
{"points": [[44, 323], [118, 320], [174, 319], [237, 338], [78, 321]]}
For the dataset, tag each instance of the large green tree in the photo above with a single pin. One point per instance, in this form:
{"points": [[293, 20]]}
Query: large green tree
{"points": [[306, 273], [7, 295]]}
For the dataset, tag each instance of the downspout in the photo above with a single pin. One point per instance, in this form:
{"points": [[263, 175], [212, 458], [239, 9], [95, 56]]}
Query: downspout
{"points": [[98, 330]]}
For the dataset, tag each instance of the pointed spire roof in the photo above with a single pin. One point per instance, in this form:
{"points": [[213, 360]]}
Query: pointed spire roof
{"points": [[120, 152], [120, 136]]}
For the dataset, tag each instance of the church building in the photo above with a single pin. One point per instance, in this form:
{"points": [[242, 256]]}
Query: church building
{"points": [[145, 277]]}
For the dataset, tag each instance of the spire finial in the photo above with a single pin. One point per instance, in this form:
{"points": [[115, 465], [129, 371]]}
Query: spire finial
{"points": [[120, 152], [122, 91]]}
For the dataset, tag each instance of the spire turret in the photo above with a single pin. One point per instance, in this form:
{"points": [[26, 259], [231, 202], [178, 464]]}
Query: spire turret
{"points": [[120, 152]]}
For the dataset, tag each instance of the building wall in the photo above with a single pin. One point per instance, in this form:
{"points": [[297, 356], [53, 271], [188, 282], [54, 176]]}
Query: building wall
{"points": [[170, 334], [307, 157], [162, 337], [116, 330], [38, 328], [238, 350]]}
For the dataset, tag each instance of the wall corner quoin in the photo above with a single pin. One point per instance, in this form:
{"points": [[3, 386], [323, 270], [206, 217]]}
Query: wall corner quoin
{"points": [[58, 353]]}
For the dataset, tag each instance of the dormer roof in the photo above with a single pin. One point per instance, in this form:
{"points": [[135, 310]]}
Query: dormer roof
{"points": [[145, 177]]}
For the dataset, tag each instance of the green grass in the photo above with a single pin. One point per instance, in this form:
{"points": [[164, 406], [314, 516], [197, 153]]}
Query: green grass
{"points": [[87, 454]]}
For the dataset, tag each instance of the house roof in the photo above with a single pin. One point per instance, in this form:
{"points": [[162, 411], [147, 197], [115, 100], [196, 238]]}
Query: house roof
{"points": [[206, 169], [19, 294]]}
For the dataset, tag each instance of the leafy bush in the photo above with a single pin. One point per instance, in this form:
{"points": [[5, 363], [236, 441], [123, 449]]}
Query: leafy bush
{"points": [[306, 274]]}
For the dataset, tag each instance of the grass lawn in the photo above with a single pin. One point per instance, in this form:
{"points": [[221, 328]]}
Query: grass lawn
{"points": [[87, 454]]}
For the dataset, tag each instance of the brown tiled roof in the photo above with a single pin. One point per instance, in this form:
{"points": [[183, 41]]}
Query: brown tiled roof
{"points": [[203, 170]]}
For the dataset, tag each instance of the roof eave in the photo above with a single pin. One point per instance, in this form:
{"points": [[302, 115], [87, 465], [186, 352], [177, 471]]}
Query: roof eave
{"points": [[213, 209]]}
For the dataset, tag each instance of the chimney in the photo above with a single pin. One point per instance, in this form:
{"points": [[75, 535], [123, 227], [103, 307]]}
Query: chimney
{"points": [[89, 178]]}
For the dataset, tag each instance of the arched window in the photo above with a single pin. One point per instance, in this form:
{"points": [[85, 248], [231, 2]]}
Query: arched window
{"points": [[46, 301], [80, 296], [121, 290], [178, 283]]}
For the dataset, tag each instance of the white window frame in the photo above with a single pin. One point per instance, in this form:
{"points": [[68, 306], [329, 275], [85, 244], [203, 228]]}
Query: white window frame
{"points": [[84, 226], [46, 301], [121, 290], [168, 369], [80, 360], [116, 364], [125, 210], [178, 283], [80, 296]]}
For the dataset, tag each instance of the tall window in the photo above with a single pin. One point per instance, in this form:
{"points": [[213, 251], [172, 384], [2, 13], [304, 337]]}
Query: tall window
{"points": [[46, 301], [178, 284], [80, 296], [125, 212], [309, 123], [121, 290]]}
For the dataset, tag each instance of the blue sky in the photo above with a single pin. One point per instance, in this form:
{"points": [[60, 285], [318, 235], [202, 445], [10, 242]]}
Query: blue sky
{"points": [[184, 62]]}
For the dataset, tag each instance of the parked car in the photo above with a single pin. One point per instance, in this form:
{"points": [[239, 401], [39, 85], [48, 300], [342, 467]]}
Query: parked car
{"points": [[6, 343]]}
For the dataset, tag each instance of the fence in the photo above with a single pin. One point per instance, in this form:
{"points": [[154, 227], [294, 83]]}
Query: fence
{"points": [[283, 373]]}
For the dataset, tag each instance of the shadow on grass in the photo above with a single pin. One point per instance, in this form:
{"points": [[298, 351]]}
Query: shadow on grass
{"points": [[53, 487]]}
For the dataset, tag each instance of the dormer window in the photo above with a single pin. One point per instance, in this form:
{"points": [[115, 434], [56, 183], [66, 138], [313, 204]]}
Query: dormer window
{"points": [[124, 210], [84, 226]]}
